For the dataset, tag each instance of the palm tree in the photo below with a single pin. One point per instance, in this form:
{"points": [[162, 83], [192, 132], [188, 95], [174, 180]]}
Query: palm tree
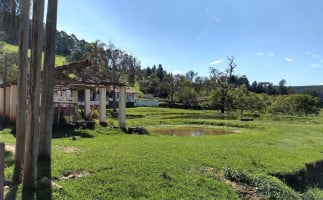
{"points": [[47, 109], [22, 89], [32, 130]]}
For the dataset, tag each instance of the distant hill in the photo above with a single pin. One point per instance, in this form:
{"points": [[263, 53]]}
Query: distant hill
{"points": [[312, 89]]}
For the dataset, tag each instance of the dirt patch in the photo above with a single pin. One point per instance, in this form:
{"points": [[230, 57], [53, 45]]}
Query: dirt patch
{"points": [[243, 190], [73, 175], [67, 149]]}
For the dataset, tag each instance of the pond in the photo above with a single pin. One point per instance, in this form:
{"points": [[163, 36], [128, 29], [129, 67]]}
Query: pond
{"points": [[193, 132]]}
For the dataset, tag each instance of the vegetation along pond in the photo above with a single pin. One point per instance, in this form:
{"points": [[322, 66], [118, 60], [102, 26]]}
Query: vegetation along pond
{"points": [[189, 131]]}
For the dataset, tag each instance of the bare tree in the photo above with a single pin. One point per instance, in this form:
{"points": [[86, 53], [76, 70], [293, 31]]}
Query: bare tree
{"points": [[22, 89], [32, 130], [47, 109]]}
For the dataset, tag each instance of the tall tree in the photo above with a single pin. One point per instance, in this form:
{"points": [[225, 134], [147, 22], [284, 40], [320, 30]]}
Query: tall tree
{"points": [[47, 109], [22, 89], [32, 130], [222, 86]]}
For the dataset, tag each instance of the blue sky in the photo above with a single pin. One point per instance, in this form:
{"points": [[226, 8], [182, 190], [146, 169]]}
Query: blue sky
{"points": [[270, 39]]}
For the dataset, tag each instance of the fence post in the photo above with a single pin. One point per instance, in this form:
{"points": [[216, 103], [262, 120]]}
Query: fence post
{"points": [[2, 152]]}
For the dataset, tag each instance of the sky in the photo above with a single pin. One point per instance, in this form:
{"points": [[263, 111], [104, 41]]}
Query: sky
{"points": [[271, 40]]}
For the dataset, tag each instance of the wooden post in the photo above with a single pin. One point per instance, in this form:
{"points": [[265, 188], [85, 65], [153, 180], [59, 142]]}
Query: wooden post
{"points": [[87, 102], [4, 78], [13, 102], [103, 104], [1, 100], [2, 153], [122, 107]]}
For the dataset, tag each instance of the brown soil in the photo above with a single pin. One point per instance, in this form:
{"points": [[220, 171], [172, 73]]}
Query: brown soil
{"points": [[243, 190], [67, 149]]}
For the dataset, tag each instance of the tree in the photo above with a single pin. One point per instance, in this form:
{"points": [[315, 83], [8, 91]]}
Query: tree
{"points": [[241, 98], [185, 92], [47, 107], [222, 86], [282, 89], [190, 75], [22, 89], [32, 130]]}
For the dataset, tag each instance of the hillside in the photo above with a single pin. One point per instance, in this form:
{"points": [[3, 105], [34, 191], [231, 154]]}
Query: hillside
{"points": [[313, 89], [60, 60]]}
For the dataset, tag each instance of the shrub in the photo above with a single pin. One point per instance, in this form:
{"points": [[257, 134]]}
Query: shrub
{"points": [[269, 186]]}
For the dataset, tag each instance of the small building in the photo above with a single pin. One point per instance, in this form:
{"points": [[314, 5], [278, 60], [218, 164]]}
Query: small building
{"points": [[66, 96]]}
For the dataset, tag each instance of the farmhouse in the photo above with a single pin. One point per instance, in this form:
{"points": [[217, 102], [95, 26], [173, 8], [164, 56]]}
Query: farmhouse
{"points": [[74, 89]]}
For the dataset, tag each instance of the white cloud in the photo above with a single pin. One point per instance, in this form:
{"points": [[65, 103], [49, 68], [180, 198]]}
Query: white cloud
{"points": [[314, 55], [316, 65], [216, 62], [217, 19], [289, 59], [260, 54], [177, 72], [264, 54]]}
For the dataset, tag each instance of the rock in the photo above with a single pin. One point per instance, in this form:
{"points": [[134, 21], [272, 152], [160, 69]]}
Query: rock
{"points": [[47, 182]]}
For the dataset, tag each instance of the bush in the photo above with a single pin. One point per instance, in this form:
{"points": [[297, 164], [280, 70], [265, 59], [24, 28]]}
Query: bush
{"points": [[269, 186]]}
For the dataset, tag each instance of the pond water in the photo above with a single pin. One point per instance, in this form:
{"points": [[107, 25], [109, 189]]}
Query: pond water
{"points": [[194, 132]]}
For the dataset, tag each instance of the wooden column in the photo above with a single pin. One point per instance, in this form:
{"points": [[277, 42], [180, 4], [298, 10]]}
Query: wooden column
{"points": [[75, 101], [13, 102], [64, 98], [7, 101], [87, 101], [122, 107], [103, 104], [1, 101], [2, 154]]}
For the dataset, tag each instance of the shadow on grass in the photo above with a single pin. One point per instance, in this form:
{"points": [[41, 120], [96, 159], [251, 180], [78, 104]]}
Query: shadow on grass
{"points": [[65, 131], [309, 177], [44, 189]]}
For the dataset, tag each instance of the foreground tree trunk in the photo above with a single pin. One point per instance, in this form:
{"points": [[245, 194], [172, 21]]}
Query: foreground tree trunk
{"points": [[32, 130], [47, 109], [22, 89]]}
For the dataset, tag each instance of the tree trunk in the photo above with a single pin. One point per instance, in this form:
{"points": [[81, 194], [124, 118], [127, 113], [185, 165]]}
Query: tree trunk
{"points": [[46, 112], [32, 130], [22, 89]]}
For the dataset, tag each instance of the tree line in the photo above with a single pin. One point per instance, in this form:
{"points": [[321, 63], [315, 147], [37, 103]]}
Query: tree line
{"points": [[224, 91]]}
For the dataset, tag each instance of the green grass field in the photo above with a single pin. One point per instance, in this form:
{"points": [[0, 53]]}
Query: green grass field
{"points": [[109, 164], [59, 60]]}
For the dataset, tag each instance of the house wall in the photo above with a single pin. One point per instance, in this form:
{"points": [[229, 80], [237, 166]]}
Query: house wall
{"points": [[147, 103]]}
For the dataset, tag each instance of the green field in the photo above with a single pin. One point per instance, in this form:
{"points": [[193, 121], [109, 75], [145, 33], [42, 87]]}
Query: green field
{"points": [[107, 164], [59, 60]]}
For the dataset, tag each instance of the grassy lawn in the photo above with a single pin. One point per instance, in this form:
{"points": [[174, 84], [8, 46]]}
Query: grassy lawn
{"points": [[108, 164], [59, 60]]}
